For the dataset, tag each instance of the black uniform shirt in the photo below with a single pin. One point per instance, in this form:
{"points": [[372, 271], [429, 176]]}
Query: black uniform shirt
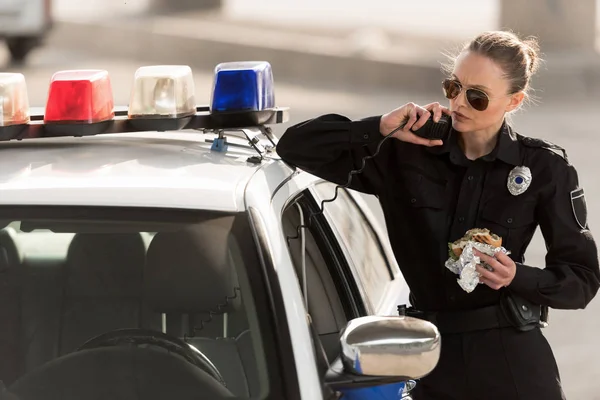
{"points": [[432, 196]]}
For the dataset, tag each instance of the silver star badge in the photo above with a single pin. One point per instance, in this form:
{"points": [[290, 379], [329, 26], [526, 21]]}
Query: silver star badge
{"points": [[519, 180]]}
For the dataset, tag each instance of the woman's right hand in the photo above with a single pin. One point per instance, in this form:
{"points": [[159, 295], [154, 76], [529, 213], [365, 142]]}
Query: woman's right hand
{"points": [[415, 117]]}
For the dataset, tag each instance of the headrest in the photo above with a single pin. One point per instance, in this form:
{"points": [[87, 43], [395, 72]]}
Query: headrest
{"points": [[189, 271], [10, 254], [105, 264]]}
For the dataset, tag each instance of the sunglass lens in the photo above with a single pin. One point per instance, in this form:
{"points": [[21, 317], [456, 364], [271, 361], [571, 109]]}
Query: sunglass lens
{"points": [[478, 100], [451, 89]]}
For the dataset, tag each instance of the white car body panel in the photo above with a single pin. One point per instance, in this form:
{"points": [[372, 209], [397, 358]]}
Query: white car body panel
{"points": [[126, 170]]}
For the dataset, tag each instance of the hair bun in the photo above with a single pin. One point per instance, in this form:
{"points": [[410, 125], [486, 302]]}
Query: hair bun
{"points": [[533, 51]]}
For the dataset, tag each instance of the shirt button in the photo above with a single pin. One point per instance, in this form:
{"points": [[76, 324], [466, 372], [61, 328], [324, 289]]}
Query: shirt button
{"points": [[413, 200], [509, 220], [461, 219], [470, 177], [366, 136]]}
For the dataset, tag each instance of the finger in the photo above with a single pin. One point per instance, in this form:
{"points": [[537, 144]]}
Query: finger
{"points": [[504, 258], [433, 143], [426, 142], [490, 284], [436, 109], [491, 261], [411, 114], [446, 110], [423, 117], [437, 113], [488, 275], [501, 268]]}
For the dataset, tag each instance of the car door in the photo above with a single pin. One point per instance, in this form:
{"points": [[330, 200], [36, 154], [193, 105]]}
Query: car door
{"points": [[342, 266]]}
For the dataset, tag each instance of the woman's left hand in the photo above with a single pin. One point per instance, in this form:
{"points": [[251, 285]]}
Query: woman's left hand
{"points": [[504, 270]]}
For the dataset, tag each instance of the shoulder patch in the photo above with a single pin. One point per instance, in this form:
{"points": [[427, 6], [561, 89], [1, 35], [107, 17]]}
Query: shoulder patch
{"points": [[579, 207], [544, 144]]}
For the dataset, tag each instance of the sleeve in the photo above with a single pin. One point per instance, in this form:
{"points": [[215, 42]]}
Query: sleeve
{"points": [[572, 277], [332, 145]]}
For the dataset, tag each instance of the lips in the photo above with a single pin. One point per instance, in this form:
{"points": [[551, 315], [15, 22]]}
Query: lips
{"points": [[459, 115]]}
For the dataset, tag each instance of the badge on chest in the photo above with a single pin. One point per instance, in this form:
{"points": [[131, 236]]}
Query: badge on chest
{"points": [[519, 180]]}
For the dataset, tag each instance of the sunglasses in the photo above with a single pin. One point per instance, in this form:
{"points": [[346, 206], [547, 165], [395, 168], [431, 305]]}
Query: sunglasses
{"points": [[478, 99]]}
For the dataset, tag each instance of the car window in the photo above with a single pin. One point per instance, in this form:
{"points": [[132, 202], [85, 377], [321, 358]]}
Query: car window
{"points": [[360, 241], [127, 291], [328, 300]]}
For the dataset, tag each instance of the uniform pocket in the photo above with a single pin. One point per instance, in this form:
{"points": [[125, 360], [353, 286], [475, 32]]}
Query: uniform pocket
{"points": [[509, 219], [421, 191]]}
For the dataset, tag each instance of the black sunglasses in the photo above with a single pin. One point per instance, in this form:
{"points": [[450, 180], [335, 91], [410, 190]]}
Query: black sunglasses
{"points": [[478, 99]]}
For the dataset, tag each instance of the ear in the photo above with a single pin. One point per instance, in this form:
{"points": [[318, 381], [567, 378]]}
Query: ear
{"points": [[515, 101]]}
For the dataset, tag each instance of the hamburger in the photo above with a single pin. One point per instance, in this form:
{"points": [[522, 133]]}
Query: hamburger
{"points": [[476, 235]]}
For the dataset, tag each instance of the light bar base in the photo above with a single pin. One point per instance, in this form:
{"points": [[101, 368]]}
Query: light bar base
{"points": [[238, 119], [159, 124], [12, 132], [76, 129]]}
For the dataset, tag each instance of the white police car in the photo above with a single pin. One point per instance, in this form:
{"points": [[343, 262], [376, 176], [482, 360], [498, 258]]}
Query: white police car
{"points": [[164, 251]]}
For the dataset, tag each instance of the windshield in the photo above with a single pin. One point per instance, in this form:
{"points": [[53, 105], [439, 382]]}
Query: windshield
{"points": [[156, 304]]}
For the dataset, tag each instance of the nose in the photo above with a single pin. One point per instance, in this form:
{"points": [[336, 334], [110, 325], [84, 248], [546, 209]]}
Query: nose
{"points": [[459, 101]]}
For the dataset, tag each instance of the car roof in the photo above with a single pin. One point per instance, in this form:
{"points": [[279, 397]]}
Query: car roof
{"points": [[140, 169]]}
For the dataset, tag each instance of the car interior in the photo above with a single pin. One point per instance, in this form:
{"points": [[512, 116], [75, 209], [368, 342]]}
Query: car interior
{"points": [[88, 302]]}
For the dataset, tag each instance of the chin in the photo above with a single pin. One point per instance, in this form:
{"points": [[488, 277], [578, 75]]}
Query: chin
{"points": [[460, 126]]}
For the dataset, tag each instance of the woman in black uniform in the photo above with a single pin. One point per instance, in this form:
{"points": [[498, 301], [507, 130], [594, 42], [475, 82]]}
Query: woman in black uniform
{"points": [[481, 175]]}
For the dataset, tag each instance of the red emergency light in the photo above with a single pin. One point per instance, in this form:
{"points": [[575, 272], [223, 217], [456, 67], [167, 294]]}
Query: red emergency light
{"points": [[79, 97]]}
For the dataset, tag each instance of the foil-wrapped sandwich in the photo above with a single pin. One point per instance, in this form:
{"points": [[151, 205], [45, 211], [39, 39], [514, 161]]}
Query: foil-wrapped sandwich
{"points": [[462, 261]]}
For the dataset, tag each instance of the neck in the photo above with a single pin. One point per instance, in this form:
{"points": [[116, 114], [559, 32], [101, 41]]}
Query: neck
{"points": [[477, 144]]}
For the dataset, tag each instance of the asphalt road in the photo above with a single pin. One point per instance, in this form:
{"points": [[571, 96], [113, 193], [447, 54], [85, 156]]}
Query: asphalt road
{"points": [[573, 334]]}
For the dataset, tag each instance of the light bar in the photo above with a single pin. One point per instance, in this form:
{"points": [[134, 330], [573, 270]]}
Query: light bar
{"points": [[80, 102], [163, 91], [79, 97], [14, 102], [243, 87]]}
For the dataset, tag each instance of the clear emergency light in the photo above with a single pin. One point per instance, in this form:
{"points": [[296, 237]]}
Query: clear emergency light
{"points": [[14, 105], [162, 92], [79, 97], [14, 102]]}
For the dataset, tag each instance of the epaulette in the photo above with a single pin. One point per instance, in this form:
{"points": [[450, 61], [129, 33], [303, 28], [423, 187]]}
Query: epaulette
{"points": [[544, 144]]}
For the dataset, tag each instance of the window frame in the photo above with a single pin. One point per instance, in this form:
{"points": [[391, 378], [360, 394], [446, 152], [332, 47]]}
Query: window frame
{"points": [[335, 258]]}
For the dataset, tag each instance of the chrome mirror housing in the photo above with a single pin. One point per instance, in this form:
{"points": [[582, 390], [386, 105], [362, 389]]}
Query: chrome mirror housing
{"points": [[401, 346]]}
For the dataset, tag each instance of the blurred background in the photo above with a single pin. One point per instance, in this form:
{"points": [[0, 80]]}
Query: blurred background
{"points": [[353, 58]]}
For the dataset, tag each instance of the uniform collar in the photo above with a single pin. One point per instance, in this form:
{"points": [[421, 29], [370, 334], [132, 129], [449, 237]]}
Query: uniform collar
{"points": [[507, 147]]}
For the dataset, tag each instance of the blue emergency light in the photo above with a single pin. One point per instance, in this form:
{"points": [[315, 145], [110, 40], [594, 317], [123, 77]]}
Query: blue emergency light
{"points": [[243, 87]]}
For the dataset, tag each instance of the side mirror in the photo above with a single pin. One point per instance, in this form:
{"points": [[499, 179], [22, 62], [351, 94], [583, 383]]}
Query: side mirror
{"points": [[390, 346], [383, 350]]}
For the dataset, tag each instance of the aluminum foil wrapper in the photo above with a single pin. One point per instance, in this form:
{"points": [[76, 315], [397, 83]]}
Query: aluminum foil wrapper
{"points": [[465, 266]]}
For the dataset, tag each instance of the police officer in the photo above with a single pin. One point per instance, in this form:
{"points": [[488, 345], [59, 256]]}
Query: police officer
{"points": [[482, 174]]}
